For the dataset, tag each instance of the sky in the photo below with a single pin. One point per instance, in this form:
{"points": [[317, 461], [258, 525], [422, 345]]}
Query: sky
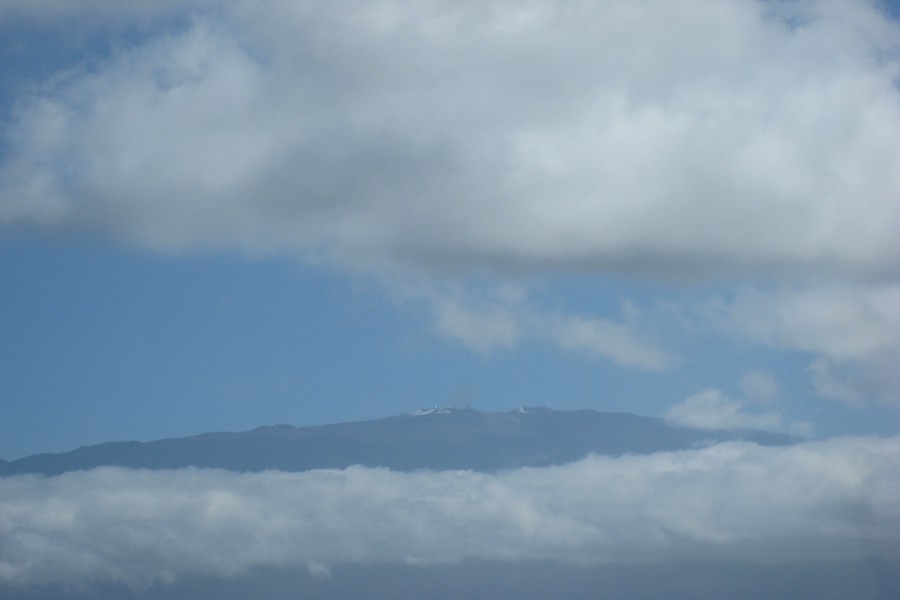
{"points": [[216, 215], [220, 215]]}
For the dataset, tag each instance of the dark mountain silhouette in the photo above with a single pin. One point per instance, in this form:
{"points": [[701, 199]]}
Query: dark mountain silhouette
{"points": [[437, 439]]}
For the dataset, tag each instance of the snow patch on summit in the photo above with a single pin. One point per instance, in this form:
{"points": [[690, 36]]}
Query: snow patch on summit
{"points": [[436, 410]]}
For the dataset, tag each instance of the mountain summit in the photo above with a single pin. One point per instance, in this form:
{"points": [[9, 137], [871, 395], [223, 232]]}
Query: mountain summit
{"points": [[436, 438]]}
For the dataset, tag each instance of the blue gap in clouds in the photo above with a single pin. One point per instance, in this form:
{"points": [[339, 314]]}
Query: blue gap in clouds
{"points": [[891, 7], [100, 343]]}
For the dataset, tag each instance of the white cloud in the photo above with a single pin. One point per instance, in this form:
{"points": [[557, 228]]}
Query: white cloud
{"points": [[602, 337], [484, 322], [842, 322], [711, 409], [501, 316], [828, 500], [670, 138], [852, 328]]}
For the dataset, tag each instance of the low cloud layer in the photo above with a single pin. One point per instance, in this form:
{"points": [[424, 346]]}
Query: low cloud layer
{"points": [[817, 500]]}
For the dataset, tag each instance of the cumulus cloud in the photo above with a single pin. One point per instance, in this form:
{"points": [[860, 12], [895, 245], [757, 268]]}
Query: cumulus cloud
{"points": [[831, 500], [501, 135], [711, 409]]}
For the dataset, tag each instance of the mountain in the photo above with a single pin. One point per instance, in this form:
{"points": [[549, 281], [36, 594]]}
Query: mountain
{"points": [[439, 438]]}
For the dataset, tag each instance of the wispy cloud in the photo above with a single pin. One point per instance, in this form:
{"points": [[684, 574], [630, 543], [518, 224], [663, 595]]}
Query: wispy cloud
{"points": [[760, 386], [489, 318], [852, 330]]}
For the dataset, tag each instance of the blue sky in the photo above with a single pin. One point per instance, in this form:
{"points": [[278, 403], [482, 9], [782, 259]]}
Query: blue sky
{"points": [[215, 216]]}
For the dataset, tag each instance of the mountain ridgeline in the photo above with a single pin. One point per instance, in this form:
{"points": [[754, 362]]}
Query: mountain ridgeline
{"points": [[436, 439]]}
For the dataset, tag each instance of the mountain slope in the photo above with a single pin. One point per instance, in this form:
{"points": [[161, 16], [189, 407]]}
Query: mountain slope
{"points": [[434, 439]]}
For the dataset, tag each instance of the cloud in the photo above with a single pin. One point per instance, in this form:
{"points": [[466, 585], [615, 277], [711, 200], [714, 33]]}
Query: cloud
{"points": [[832, 386], [483, 321], [594, 336], [670, 139], [88, 14], [497, 317], [842, 322], [849, 328], [711, 409], [760, 386], [817, 500]]}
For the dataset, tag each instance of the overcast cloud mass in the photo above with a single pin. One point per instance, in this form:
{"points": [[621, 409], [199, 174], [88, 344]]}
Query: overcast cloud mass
{"points": [[727, 136], [828, 500]]}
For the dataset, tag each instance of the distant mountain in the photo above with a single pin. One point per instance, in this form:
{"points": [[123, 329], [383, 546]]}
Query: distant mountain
{"points": [[437, 439]]}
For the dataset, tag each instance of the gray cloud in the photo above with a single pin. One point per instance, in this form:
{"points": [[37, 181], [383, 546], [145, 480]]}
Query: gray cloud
{"points": [[501, 134], [818, 500]]}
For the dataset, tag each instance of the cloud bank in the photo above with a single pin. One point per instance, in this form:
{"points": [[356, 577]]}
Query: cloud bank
{"points": [[817, 500]]}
